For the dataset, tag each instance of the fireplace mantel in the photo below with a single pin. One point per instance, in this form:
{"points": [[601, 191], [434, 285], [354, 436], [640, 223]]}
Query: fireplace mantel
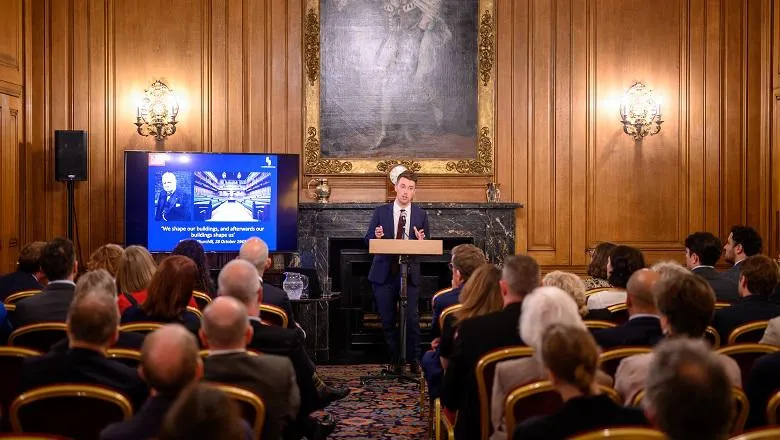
{"points": [[490, 225]]}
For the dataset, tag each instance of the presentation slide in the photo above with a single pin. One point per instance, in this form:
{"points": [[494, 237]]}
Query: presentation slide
{"points": [[219, 200]]}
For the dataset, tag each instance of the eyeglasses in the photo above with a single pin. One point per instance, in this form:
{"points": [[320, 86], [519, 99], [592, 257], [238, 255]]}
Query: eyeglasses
{"points": [[451, 266]]}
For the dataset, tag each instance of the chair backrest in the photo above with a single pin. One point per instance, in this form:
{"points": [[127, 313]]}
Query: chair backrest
{"points": [[485, 370], [747, 354], [13, 298], [611, 359], [76, 411], [140, 327], [750, 332], [447, 312], [11, 359], [195, 311], [438, 293], [595, 324], [131, 358], [722, 305], [711, 335], [760, 434], [201, 299], [443, 422], [619, 313], [597, 290], [771, 409], [622, 434], [40, 336], [251, 405], [274, 315]]}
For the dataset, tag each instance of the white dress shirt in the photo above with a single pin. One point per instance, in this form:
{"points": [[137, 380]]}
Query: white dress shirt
{"points": [[397, 215]]}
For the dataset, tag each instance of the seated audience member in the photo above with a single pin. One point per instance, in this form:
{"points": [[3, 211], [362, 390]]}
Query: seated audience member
{"points": [[623, 261], [239, 280], [466, 258], [58, 262], [743, 242], [644, 326], [194, 251], [597, 269], [134, 274], [93, 327], [669, 268], [688, 393], [757, 281], [255, 251], [543, 308], [106, 257], [702, 252], [28, 274], [169, 363], [478, 336], [225, 330], [685, 303], [570, 357], [575, 287], [168, 295], [203, 412], [762, 383]]}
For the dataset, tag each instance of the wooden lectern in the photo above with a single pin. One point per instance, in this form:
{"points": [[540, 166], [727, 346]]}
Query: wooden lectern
{"points": [[404, 249]]}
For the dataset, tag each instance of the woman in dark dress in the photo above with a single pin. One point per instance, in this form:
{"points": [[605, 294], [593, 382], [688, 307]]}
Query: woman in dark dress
{"points": [[194, 250], [168, 295], [570, 357]]}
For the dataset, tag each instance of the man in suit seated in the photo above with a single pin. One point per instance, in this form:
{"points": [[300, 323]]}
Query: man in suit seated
{"points": [[480, 335], [702, 252], [226, 331], [169, 363], [93, 327], [466, 258], [688, 391], [743, 242], [255, 251], [757, 281], [28, 274], [685, 303], [644, 326], [58, 262]]}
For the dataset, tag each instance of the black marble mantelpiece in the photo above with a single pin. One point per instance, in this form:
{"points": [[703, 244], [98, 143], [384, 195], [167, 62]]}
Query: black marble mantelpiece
{"points": [[491, 225]]}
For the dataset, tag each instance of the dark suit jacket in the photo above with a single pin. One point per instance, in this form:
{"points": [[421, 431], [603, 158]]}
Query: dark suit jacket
{"points": [[476, 337], [174, 209], [136, 314], [277, 297], [82, 366], [640, 331], [577, 416], [18, 281], [762, 383], [733, 272], [127, 340], [725, 289], [269, 376], [439, 304], [51, 304], [380, 267], [145, 424], [748, 309]]}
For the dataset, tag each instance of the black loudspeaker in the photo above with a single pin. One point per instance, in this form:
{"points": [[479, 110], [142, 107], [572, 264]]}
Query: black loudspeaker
{"points": [[70, 155]]}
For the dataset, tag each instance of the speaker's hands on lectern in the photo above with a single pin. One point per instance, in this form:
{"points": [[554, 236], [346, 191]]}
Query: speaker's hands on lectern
{"points": [[379, 232], [420, 233]]}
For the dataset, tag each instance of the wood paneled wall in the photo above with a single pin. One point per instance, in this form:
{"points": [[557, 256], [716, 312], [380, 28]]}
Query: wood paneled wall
{"points": [[561, 68]]}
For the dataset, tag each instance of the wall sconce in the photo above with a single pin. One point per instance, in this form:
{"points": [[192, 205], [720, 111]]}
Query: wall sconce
{"points": [[157, 112], [640, 112]]}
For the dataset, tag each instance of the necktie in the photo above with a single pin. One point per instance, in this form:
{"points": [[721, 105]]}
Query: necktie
{"points": [[399, 234]]}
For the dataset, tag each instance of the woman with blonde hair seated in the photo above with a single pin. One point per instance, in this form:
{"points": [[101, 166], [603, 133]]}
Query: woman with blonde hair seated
{"points": [[135, 272], [575, 287], [543, 308], [570, 359], [106, 257], [169, 293]]}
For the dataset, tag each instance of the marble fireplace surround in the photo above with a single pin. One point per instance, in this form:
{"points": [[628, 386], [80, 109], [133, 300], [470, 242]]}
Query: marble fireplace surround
{"points": [[490, 225]]}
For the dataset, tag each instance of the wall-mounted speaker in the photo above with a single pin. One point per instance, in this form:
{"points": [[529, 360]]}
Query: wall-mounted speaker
{"points": [[70, 155]]}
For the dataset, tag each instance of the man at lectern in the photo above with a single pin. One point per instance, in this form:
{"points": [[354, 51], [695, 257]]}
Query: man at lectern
{"points": [[402, 221]]}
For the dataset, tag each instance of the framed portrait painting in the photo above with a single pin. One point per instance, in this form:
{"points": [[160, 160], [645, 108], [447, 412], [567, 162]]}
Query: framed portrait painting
{"points": [[399, 81]]}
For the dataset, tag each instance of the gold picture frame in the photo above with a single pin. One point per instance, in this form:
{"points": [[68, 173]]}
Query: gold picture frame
{"points": [[481, 163]]}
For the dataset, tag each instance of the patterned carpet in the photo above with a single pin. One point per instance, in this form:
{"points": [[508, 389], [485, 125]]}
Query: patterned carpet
{"points": [[376, 411]]}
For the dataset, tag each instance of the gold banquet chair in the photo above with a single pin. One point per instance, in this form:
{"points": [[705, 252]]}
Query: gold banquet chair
{"points": [[610, 360], [439, 293], [622, 434], [711, 335], [597, 290], [201, 299], [485, 373], [595, 324], [140, 327], [760, 434], [772, 407], [273, 315], [14, 298], [747, 354], [131, 358], [751, 332], [40, 336], [443, 422], [250, 404]]}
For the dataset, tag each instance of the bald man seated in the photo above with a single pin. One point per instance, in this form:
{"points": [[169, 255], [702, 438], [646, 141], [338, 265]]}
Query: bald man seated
{"points": [[225, 331], [644, 326], [169, 363], [255, 251], [93, 327]]}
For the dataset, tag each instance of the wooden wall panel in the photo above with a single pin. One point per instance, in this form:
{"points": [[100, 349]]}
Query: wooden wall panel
{"points": [[11, 43], [561, 68], [11, 142]]}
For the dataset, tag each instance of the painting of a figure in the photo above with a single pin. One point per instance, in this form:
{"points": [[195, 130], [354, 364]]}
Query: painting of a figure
{"points": [[399, 78]]}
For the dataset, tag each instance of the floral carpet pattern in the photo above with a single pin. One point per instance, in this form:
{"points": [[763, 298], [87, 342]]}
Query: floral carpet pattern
{"points": [[377, 410]]}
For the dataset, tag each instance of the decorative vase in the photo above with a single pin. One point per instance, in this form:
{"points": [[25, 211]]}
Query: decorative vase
{"points": [[493, 192], [321, 192]]}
